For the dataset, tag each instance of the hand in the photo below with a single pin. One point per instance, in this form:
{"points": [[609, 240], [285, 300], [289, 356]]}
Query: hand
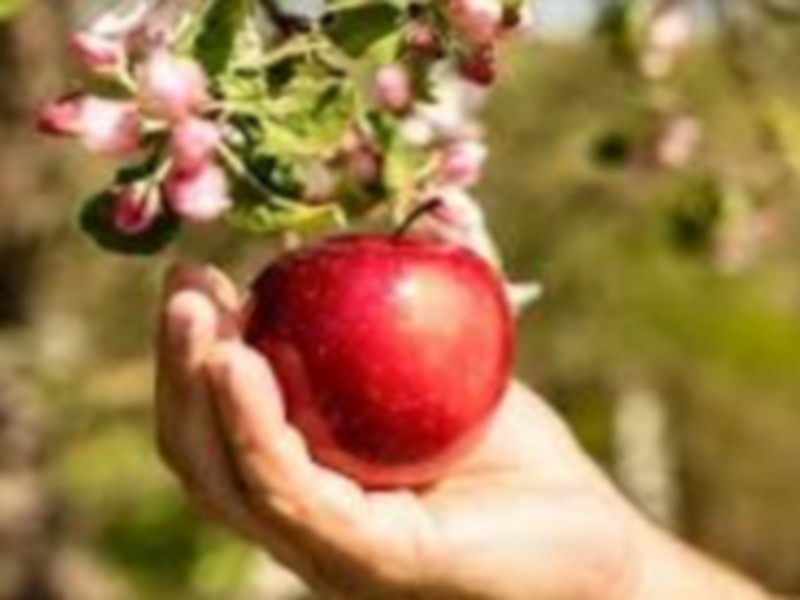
{"points": [[525, 516]]}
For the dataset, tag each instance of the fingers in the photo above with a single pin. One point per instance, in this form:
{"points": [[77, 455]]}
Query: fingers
{"points": [[192, 320], [271, 454], [286, 485], [198, 311], [222, 429]]}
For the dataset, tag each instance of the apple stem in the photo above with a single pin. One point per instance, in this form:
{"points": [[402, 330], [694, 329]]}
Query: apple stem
{"points": [[415, 215]]}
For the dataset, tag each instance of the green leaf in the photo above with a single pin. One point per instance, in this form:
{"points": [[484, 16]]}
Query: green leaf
{"points": [[289, 216], [402, 163], [224, 26], [357, 27], [310, 118], [96, 220]]}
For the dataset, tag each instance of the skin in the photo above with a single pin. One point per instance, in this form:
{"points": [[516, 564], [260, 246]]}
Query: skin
{"points": [[526, 516]]}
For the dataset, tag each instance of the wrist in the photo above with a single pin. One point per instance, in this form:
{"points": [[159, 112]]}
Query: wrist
{"points": [[666, 568]]}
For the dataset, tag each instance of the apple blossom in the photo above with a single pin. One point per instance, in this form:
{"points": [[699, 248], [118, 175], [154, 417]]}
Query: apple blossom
{"points": [[107, 127], [134, 210], [392, 88], [199, 196], [117, 20], [457, 218], [478, 20], [96, 53], [171, 87], [461, 162], [193, 143]]}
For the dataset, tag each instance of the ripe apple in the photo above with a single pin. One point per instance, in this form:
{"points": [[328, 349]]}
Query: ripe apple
{"points": [[393, 352]]}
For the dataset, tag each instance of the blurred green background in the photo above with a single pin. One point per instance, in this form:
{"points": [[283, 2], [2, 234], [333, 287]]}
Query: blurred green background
{"points": [[658, 203]]}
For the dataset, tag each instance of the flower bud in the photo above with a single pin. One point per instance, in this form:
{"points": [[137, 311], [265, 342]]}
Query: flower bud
{"points": [[171, 87], [97, 54], [110, 127], [199, 196], [392, 88], [461, 162], [319, 183], [135, 209], [363, 165], [422, 40], [480, 21], [457, 209], [479, 66], [417, 131], [107, 127], [193, 143], [61, 117], [457, 218]]}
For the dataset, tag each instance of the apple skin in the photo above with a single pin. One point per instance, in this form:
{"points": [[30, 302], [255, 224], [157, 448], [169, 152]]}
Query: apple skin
{"points": [[393, 352]]}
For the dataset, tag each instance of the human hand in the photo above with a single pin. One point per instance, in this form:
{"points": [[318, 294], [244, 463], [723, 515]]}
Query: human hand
{"points": [[526, 515]]}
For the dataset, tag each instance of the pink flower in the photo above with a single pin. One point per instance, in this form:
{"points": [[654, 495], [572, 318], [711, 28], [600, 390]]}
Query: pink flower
{"points": [[457, 209], [96, 53], [480, 21], [462, 161], [193, 143], [422, 39], [171, 87], [457, 218], [200, 196], [363, 164], [107, 127], [61, 117], [134, 209], [392, 88]]}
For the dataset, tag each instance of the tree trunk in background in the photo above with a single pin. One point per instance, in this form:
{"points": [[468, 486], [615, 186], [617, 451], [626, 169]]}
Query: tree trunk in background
{"points": [[35, 563], [29, 50]]}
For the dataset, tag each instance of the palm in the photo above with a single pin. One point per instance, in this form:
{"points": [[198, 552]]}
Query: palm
{"points": [[525, 491]]}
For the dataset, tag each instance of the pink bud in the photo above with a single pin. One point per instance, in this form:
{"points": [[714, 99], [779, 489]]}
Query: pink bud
{"points": [[96, 53], [418, 131], [422, 39], [171, 87], [479, 66], [461, 162], [193, 143], [61, 117], [363, 164], [480, 21], [200, 196], [392, 88], [134, 212], [108, 127], [457, 209], [458, 219]]}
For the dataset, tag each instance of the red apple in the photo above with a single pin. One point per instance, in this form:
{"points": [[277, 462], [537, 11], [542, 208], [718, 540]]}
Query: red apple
{"points": [[393, 352]]}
